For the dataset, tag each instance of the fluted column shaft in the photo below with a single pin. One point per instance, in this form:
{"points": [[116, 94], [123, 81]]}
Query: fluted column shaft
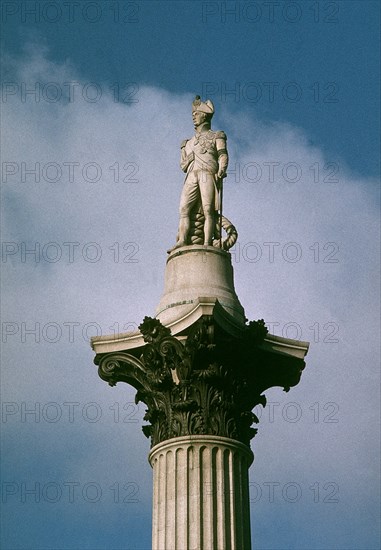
{"points": [[201, 494]]}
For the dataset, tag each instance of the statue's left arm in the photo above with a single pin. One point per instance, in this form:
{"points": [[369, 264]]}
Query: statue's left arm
{"points": [[222, 154]]}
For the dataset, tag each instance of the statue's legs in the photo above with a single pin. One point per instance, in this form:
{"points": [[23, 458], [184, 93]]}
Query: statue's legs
{"points": [[199, 187], [189, 197], [207, 191]]}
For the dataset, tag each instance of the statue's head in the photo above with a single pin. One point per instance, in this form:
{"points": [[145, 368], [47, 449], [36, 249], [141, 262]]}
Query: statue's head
{"points": [[202, 111]]}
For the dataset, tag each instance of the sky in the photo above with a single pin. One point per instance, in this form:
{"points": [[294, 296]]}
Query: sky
{"points": [[96, 99]]}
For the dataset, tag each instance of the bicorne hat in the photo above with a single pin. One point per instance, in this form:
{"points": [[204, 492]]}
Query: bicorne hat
{"points": [[204, 107]]}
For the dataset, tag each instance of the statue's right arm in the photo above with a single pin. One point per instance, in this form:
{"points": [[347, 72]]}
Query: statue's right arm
{"points": [[185, 159], [222, 154]]}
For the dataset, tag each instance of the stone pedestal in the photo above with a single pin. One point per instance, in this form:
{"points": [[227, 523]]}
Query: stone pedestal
{"points": [[193, 272], [201, 494]]}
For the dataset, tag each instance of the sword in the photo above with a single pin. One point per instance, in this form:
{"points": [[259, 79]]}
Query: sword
{"points": [[220, 185]]}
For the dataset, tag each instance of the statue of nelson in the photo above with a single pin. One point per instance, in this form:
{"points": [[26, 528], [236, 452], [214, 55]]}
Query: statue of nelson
{"points": [[204, 158]]}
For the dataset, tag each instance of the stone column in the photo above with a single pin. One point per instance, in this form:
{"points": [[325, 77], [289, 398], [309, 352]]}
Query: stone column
{"points": [[200, 388], [201, 368], [201, 494]]}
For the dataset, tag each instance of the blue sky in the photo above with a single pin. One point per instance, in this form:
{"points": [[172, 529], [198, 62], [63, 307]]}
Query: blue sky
{"points": [[181, 45], [303, 193]]}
